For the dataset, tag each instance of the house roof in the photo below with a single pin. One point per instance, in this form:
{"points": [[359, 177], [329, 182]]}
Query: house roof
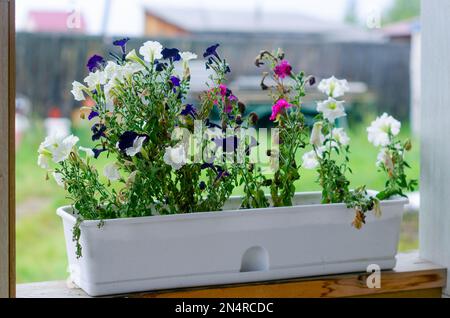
{"points": [[257, 21], [52, 21], [402, 29]]}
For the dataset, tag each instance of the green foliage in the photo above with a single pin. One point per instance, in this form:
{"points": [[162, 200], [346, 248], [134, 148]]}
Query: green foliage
{"points": [[402, 10]]}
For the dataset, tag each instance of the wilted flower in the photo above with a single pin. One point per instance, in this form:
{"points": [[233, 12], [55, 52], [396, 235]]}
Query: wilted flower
{"points": [[334, 87], [95, 62], [317, 138], [171, 54], [283, 69], [186, 57], [175, 157], [151, 50], [111, 172], [278, 108], [331, 109], [384, 159], [77, 91], [381, 130]]}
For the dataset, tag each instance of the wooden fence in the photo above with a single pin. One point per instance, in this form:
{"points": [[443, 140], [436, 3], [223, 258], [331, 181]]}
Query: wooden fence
{"points": [[48, 63]]}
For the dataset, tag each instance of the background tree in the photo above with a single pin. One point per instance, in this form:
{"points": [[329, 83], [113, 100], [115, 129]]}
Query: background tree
{"points": [[402, 10], [351, 12]]}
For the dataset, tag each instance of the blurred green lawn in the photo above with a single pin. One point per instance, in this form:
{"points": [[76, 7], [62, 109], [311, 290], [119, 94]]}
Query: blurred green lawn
{"points": [[40, 243]]}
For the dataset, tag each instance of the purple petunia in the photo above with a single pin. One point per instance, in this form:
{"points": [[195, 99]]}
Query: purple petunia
{"points": [[189, 110], [92, 115], [97, 152], [98, 131], [95, 62], [175, 81], [159, 66], [126, 140], [211, 51], [122, 43], [171, 54]]}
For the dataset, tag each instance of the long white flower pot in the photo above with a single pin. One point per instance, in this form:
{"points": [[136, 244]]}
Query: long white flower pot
{"points": [[233, 246]]}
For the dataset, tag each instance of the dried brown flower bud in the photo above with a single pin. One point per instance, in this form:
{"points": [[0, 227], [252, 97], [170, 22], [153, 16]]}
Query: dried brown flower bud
{"points": [[253, 118], [241, 107], [408, 145], [359, 220]]}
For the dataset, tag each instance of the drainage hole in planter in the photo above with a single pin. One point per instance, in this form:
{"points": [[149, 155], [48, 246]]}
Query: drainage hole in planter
{"points": [[255, 259]]}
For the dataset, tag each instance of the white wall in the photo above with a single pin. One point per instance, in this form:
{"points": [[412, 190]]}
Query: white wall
{"points": [[435, 167]]}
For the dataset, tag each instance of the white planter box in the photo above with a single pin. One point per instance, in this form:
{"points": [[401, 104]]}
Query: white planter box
{"points": [[234, 246]]}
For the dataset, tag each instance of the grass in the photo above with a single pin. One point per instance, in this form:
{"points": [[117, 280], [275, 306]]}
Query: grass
{"points": [[40, 243]]}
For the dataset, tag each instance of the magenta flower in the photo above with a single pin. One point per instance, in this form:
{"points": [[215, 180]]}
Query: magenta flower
{"points": [[278, 108], [223, 90], [283, 69]]}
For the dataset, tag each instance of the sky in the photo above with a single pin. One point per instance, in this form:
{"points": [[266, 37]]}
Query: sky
{"points": [[125, 15]]}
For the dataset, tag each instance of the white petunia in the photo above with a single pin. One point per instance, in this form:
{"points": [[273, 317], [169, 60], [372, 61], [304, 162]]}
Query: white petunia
{"points": [[111, 69], [56, 147], [151, 50], [88, 151], [334, 87], [381, 130], [95, 78], [111, 172], [317, 138], [136, 148], [331, 109], [311, 159], [340, 136], [59, 179], [186, 57], [44, 160], [132, 56], [77, 91], [175, 157]]}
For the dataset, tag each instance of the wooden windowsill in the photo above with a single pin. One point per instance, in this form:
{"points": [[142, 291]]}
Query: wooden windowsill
{"points": [[412, 277]]}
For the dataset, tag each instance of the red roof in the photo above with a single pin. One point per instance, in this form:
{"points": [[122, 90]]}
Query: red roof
{"points": [[55, 21]]}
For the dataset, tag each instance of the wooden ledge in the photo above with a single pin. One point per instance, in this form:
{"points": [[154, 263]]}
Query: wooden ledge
{"points": [[412, 277]]}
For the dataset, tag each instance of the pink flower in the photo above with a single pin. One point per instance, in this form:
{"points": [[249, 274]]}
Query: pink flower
{"points": [[278, 108], [223, 90], [228, 108], [283, 69]]}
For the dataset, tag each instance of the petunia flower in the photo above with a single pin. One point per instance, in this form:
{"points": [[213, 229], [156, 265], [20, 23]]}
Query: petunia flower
{"points": [[283, 69], [175, 81], [89, 152], [331, 109], [56, 148], [278, 109], [211, 51], [95, 62], [171, 54], [333, 87], [175, 157], [202, 185], [77, 91], [111, 172], [92, 115], [340, 137], [189, 110], [151, 51], [98, 131], [311, 159], [381, 130], [131, 143], [95, 78], [223, 90], [98, 152], [122, 43], [317, 138], [59, 178], [186, 57]]}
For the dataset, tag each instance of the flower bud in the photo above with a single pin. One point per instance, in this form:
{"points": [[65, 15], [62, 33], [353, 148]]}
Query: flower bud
{"points": [[408, 145], [241, 107], [253, 118]]}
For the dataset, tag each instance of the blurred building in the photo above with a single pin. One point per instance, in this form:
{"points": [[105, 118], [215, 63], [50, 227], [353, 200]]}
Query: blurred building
{"points": [[55, 22], [163, 21]]}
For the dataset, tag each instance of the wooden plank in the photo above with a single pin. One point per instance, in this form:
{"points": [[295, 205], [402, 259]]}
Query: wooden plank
{"points": [[434, 220], [411, 277], [5, 91]]}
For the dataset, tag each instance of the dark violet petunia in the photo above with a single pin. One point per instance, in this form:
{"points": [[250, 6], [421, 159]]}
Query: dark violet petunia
{"points": [[159, 66], [171, 54], [175, 81], [122, 43], [189, 110], [97, 152], [202, 185], [207, 165], [228, 144], [98, 131], [95, 62], [92, 115], [126, 140], [221, 173], [211, 51]]}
